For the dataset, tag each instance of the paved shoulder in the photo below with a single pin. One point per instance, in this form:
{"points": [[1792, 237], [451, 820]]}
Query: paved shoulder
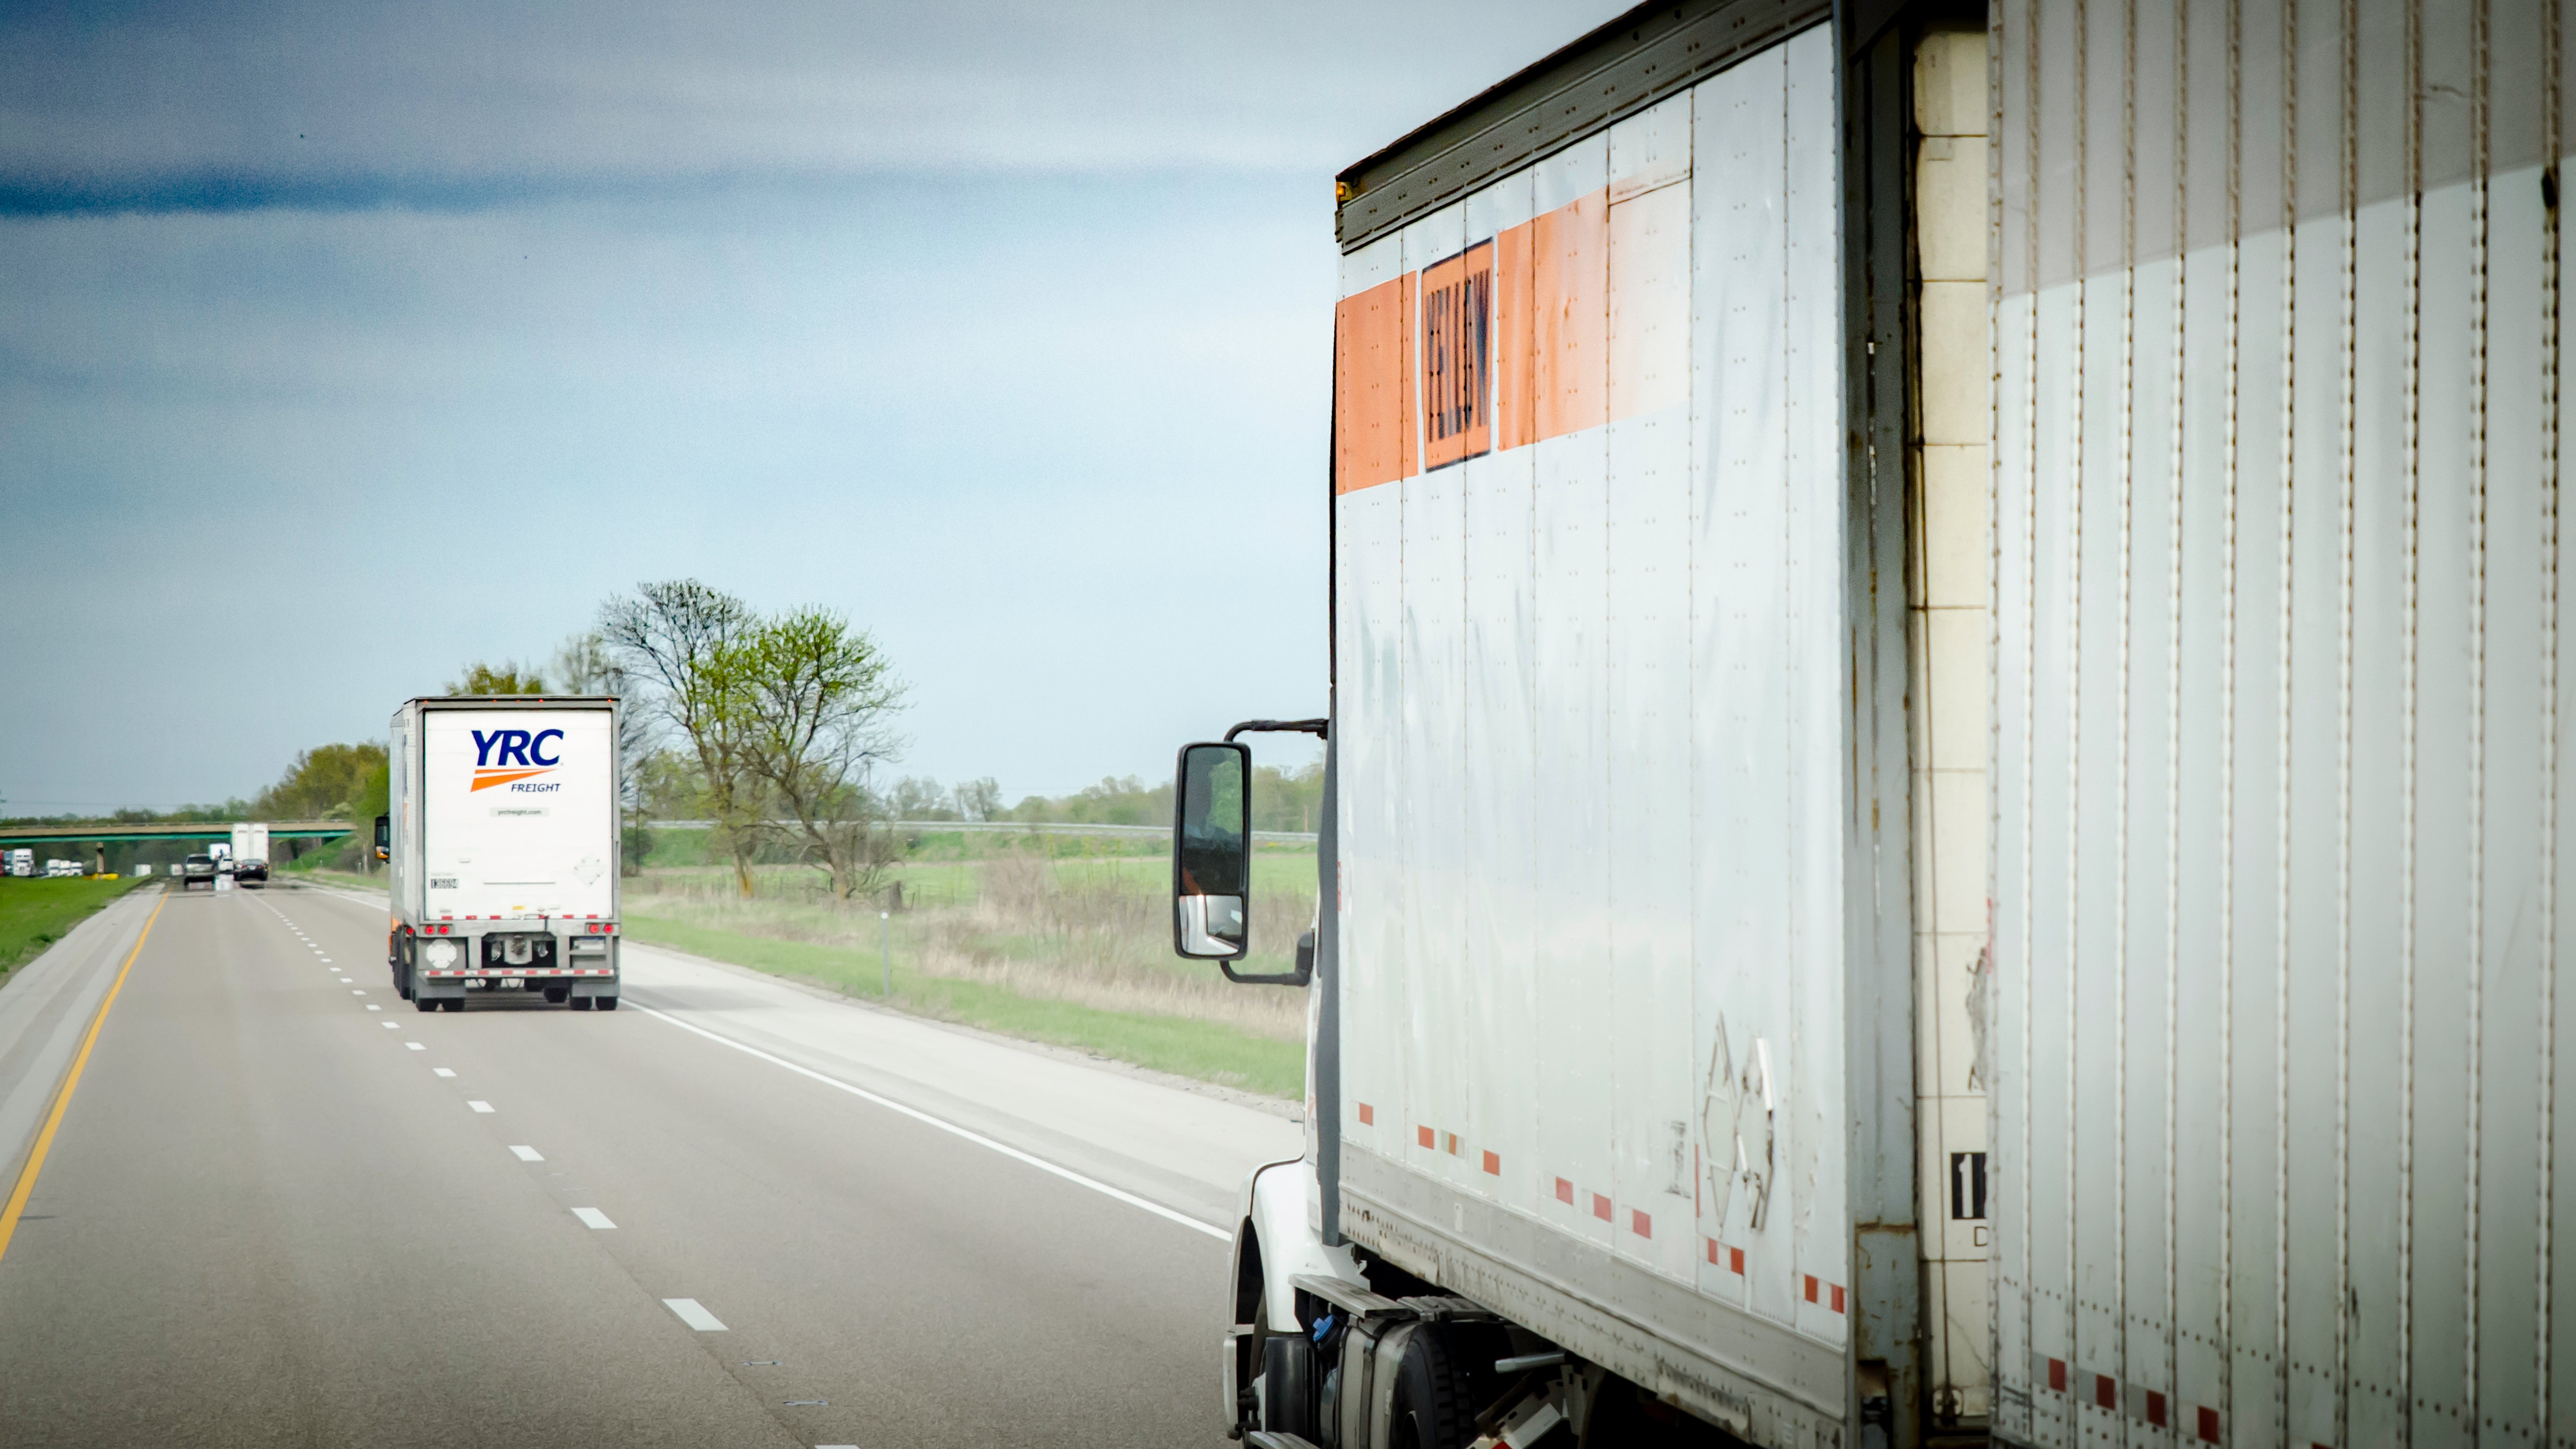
{"points": [[46, 1004]]}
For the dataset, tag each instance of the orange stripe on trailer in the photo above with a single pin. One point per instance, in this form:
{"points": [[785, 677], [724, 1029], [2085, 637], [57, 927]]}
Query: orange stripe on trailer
{"points": [[1368, 1115], [1493, 1165], [1422, 1135], [1374, 416]]}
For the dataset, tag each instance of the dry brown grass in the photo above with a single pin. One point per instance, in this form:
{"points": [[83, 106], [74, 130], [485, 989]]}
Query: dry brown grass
{"points": [[1092, 933]]}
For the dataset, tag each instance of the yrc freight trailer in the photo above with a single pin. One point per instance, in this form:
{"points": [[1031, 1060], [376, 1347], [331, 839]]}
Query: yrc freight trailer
{"points": [[1943, 773], [503, 847]]}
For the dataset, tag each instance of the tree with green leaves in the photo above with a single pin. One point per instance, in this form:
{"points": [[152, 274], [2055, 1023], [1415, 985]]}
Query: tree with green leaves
{"points": [[508, 677], [810, 703]]}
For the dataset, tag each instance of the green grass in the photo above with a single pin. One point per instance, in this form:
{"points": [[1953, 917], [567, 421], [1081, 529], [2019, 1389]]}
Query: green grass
{"points": [[34, 913], [1208, 1051]]}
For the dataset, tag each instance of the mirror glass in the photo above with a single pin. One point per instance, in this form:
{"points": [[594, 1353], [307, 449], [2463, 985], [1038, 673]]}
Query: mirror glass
{"points": [[1212, 851]]}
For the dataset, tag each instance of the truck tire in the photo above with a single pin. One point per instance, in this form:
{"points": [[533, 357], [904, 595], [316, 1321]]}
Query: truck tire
{"points": [[425, 1003], [607, 1003], [581, 1003], [1288, 1385], [1431, 1410], [455, 1003]]}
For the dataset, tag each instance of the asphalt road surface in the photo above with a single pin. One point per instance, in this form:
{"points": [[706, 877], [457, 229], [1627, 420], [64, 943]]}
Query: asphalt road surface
{"points": [[281, 1207]]}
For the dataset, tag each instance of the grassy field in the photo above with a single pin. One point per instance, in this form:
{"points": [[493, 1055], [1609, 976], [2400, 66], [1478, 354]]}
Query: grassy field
{"points": [[34, 914], [1074, 951]]}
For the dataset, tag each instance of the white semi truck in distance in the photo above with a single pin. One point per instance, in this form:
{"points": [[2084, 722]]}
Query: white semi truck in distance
{"points": [[502, 838], [250, 854], [1942, 808]]}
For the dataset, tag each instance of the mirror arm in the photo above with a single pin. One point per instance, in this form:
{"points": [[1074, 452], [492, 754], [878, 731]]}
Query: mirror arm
{"points": [[1315, 727]]}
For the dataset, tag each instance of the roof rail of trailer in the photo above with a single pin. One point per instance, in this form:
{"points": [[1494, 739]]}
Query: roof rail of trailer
{"points": [[1621, 67], [513, 699]]}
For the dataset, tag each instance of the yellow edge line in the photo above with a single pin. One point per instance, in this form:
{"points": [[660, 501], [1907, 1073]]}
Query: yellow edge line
{"points": [[63, 1096]]}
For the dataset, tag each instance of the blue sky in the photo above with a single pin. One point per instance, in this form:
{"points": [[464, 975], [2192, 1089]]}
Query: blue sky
{"points": [[344, 345]]}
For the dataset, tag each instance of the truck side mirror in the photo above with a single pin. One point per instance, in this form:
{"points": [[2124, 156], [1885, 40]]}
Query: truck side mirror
{"points": [[1212, 852], [384, 836]]}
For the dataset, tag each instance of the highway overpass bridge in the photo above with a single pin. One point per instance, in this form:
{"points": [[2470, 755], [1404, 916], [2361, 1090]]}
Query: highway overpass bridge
{"points": [[105, 833]]}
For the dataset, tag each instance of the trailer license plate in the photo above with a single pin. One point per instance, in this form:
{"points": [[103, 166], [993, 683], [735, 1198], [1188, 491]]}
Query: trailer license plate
{"points": [[513, 983]]}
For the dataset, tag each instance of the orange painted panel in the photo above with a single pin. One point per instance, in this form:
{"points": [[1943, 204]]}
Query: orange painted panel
{"points": [[1457, 357], [1373, 408], [1515, 422], [1570, 315]]}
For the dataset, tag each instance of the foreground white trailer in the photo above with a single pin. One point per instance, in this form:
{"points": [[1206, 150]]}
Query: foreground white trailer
{"points": [[502, 841], [1943, 765]]}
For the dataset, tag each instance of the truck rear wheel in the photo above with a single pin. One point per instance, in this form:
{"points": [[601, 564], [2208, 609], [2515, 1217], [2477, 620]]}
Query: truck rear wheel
{"points": [[1430, 1409], [455, 1003], [426, 1003], [581, 1003], [608, 1003]]}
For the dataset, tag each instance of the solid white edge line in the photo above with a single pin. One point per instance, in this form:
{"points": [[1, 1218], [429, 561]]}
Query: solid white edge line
{"points": [[968, 1133]]}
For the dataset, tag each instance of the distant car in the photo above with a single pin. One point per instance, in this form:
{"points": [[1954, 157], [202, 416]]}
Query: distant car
{"points": [[195, 868], [250, 870]]}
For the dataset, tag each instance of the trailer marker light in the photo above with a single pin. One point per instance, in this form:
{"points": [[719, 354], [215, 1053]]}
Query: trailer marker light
{"points": [[1601, 1207], [1565, 1192]]}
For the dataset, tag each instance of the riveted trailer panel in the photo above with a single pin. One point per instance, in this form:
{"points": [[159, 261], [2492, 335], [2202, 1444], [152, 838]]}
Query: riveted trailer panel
{"points": [[2277, 742]]}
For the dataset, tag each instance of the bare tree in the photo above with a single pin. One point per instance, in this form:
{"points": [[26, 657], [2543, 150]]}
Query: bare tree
{"points": [[814, 703], [669, 637], [979, 799]]}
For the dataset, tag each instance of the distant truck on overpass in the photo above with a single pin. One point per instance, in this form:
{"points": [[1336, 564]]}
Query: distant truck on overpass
{"points": [[503, 843]]}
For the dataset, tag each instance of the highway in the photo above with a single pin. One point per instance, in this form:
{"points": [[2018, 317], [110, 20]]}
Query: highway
{"points": [[280, 1206]]}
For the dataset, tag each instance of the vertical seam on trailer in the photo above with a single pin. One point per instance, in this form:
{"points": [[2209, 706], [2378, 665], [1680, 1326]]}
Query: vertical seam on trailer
{"points": [[2075, 675], [2029, 664], [1994, 637], [2227, 723], [2120, 802], [2173, 705], [2350, 103], [2410, 505], [2283, 681], [2475, 1065], [2546, 1128]]}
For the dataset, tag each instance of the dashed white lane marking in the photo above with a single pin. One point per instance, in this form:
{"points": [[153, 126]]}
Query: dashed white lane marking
{"points": [[393, 1026], [371, 1006], [979, 1139], [358, 993], [443, 1071], [594, 1218], [530, 1154], [416, 1046], [695, 1315], [480, 1106]]}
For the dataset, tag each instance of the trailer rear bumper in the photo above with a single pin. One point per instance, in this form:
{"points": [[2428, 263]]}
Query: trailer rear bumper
{"points": [[581, 981]]}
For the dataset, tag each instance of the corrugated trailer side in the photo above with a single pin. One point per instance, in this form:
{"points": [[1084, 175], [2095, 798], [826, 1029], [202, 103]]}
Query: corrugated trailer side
{"points": [[1606, 835], [2277, 730]]}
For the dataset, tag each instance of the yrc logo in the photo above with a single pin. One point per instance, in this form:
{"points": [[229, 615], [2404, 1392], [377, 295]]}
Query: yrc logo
{"points": [[504, 757]]}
